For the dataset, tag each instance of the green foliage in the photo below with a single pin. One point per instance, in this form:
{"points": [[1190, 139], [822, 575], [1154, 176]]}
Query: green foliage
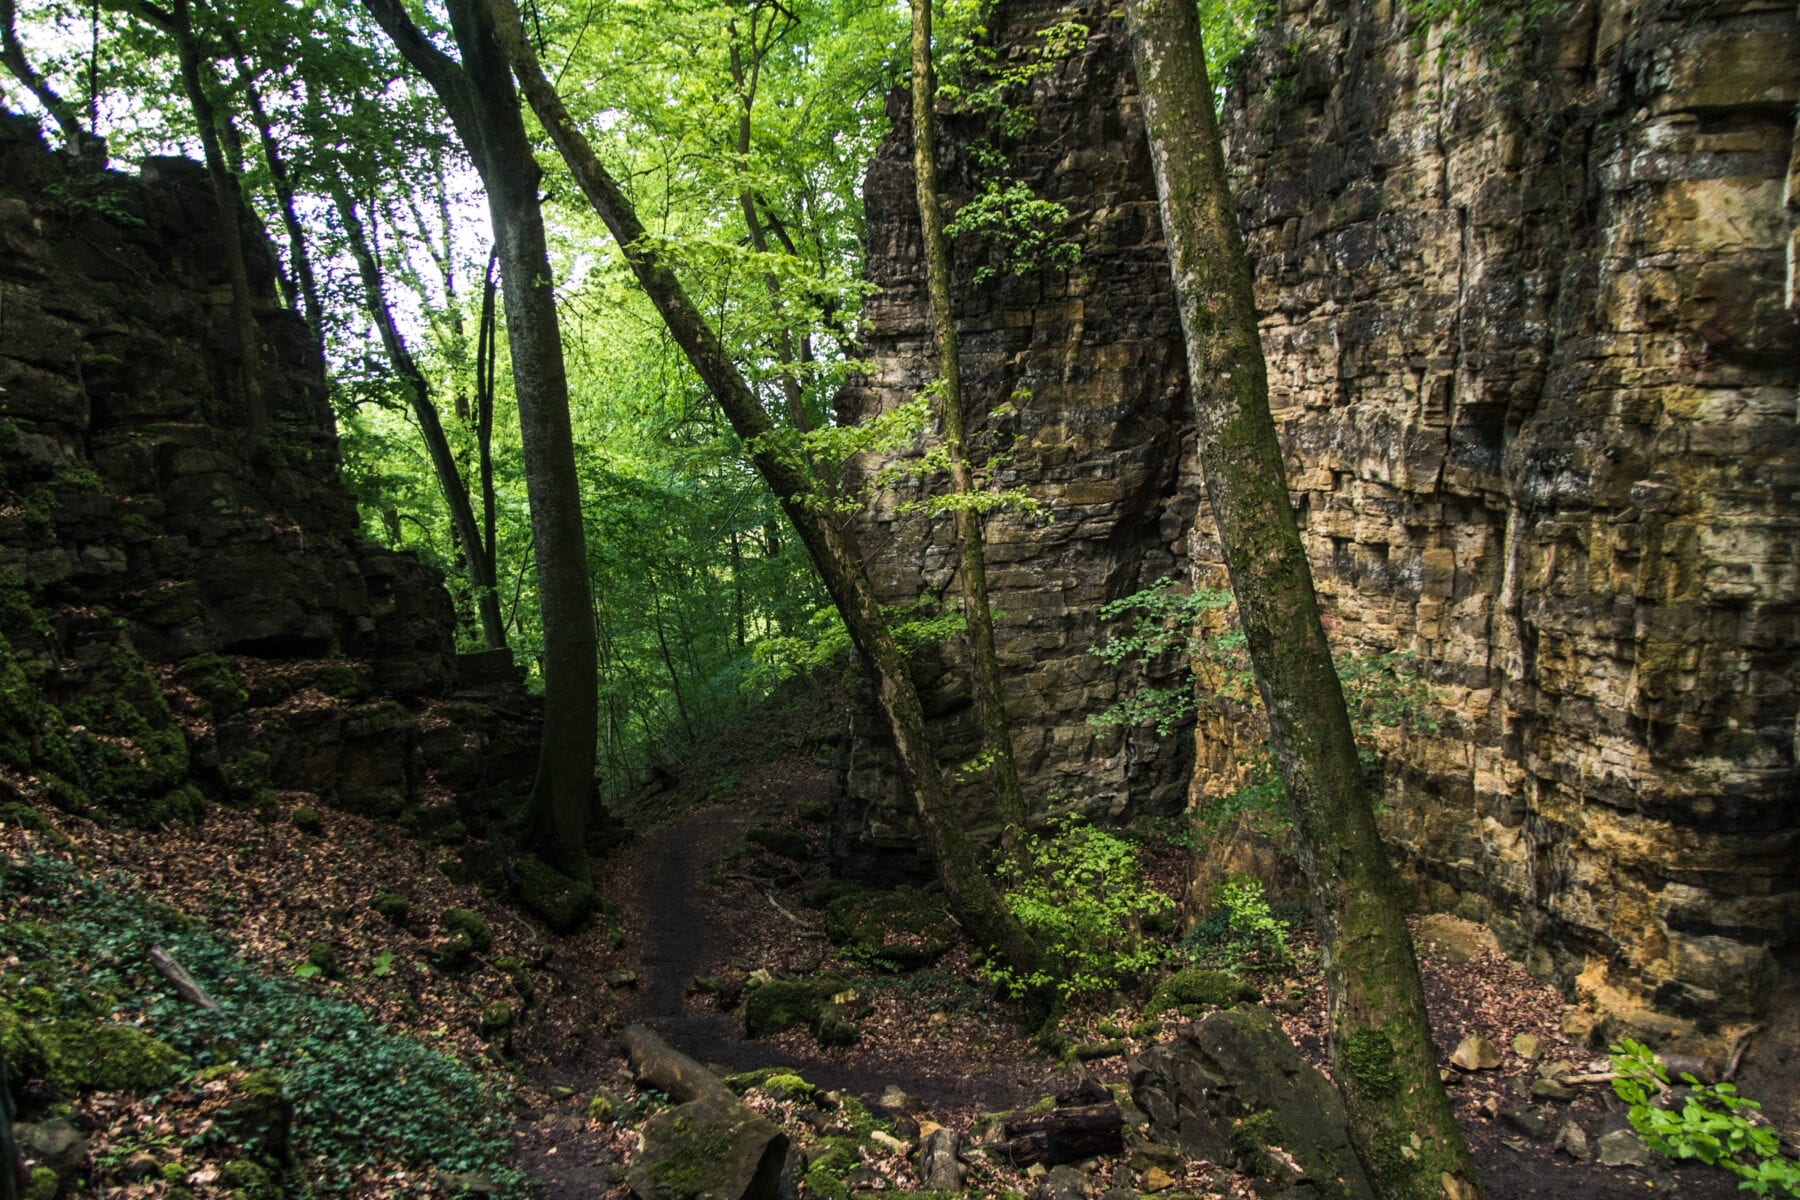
{"points": [[1489, 25], [360, 1094], [1242, 931], [1020, 226], [1082, 896], [1714, 1125]]}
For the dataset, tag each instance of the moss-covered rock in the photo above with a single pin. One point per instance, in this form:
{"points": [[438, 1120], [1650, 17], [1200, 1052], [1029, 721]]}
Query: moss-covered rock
{"points": [[259, 1116], [784, 1085], [247, 1180], [43, 1185], [96, 1056], [513, 968], [392, 905], [1194, 989], [24, 1051], [214, 684], [904, 929], [309, 821], [780, 1005], [563, 904], [496, 1018], [461, 922], [708, 1148]]}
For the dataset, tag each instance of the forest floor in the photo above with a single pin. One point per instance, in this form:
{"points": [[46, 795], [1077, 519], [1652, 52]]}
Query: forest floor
{"points": [[690, 898]]}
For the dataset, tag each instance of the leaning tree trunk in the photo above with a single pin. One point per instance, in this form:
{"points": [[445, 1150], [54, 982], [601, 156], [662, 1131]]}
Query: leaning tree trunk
{"points": [[978, 615], [779, 458], [1381, 1046]]}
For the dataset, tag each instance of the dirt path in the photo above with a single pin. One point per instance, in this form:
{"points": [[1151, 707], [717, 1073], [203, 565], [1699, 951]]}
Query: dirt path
{"points": [[690, 933]]}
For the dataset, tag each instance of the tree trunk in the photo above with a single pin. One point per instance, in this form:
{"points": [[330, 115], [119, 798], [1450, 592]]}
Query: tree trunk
{"points": [[485, 351], [978, 616], [479, 95], [1381, 1048], [284, 192], [437, 446], [779, 458]]}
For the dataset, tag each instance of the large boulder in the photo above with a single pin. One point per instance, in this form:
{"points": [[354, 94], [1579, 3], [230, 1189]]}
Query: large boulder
{"points": [[1232, 1088], [709, 1149]]}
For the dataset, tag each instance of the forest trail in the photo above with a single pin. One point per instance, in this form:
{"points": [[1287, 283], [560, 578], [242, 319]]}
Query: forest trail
{"points": [[696, 929]]}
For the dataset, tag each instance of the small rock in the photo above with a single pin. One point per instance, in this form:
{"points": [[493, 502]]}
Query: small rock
{"points": [[1158, 1180], [621, 979], [1490, 1107], [1570, 1140], [893, 1099], [1062, 1183], [1475, 1053], [1151, 1155], [1678, 1065], [1550, 1089], [1623, 1148], [1036, 1171], [54, 1144], [141, 1166], [761, 976], [1528, 1045], [890, 1143], [560, 1092], [1527, 1123], [1555, 1070], [473, 1183], [864, 1179]]}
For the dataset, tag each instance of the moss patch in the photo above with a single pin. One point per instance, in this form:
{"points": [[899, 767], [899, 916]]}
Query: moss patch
{"points": [[901, 929], [1368, 1061], [93, 1056], [564, 904], [1189, 991]]}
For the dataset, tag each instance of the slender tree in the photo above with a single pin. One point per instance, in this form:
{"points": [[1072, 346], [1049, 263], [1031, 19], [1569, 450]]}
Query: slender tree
{"points": [[437, 446], [971, 539], [1381, 1046], [478, 94], [779, 459]]}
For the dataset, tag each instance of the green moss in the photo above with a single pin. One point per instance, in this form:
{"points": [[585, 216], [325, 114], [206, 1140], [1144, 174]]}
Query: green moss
{"points": [[393, 906], [341, 681], [1251, 1138], [94, 1056], [217, 686], [788, 1086], [904, 929], [1193, 989], [247, 781], [470, 925], [323, 955], [174, 1174], [247, 1180], [780, 1005], [1368, 1062], [1088, 1051], [564, 904], [514, 969], [43, 1185], [309, 821], [24, 1051], [601, 1108], [496, 1018], [1144, 1030]]}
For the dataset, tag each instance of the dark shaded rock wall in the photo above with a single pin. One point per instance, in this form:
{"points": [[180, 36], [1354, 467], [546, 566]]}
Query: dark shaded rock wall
{"points": [[141, 531], [1529, 308], [1090, 360]]}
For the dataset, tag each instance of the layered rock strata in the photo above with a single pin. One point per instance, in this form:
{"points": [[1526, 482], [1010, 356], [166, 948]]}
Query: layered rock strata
{"points": [[1075, 376], [1530, 314], [189, 608]]}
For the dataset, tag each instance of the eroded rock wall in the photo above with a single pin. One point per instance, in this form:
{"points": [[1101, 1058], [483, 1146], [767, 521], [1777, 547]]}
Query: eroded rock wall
{"points": [[1529, 306], [183, 608], [1089, 361], [1528, 316]]}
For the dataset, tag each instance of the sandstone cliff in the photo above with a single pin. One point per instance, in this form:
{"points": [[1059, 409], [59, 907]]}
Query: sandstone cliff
{"points": [[1530, 318], [184, 613]]}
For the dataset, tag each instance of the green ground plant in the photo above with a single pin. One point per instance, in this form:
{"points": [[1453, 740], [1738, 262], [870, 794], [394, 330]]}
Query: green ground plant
{"points": [[1713, 1124], [1082, 895]]}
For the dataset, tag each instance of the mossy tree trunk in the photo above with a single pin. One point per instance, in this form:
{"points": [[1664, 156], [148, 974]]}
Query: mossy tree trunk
{"points": [[479, 96], [780, 458], [1381, 1046], [971, 538]]}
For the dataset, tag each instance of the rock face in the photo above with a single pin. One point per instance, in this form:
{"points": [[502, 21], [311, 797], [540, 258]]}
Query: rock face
{"points": [[1530, 314], [1532, 342], [1089, 362], [183, 607]]}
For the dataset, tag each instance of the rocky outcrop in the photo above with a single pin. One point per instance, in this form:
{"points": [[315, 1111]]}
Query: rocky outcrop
{"points": [[1528, 344], [1076, 374], [188, 608], [1529, 309]]}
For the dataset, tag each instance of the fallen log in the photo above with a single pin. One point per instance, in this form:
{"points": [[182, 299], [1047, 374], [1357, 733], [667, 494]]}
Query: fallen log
{"points": [[659, 1065], [1063, 1135], [184, 984]]}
